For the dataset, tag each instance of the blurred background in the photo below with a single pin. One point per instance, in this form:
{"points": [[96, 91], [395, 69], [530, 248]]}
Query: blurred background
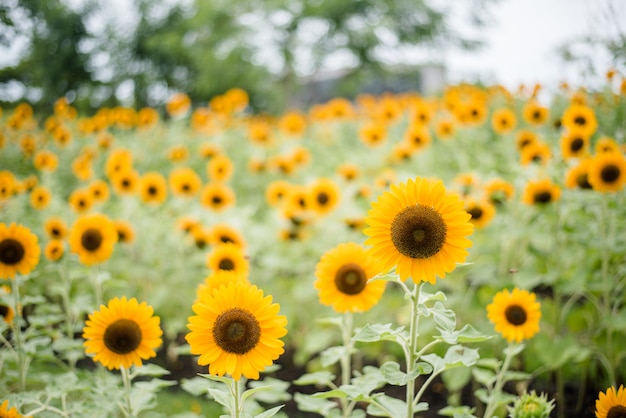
{"points": [[292, 53]]}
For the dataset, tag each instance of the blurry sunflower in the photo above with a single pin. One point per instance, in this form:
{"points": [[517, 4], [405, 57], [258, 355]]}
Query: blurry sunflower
{"points": [[217, 197], [7, 314], [574, 144], [122, 334], [224, 234], [534, 113], [236, 330], [19, 251], [402, 152], [201, 236], [218, 279], [355, 223], [421, 113], [8, 184], [541, 192], [611, 404], [54, 250], [187, 224], [184, 182], [220, 168], [40, 197], [283, 164], [515, 314], [467, 182], [82, 168], [5, 412], [580, 117], [525, 138], [259, 132], [228, 257], [420, 229], [537, 152], [342, 279], [503, 121], [55, 228], [46, 160], [209, 150], [178, 105], [578, 175], [498, 191], [373, 134], [80, 200], [147, 117], [292, 234], [276, 192], [99, 191], [385, 179], [607, 172], [606, 144], [324, 195], [125, 183], [301, 156], [417, 136], [118, 161], [125, 231], [348, 171], [482, 212], [93, 237], [153, 188], [444, 129], [256, 165], [292, 124], [178, 153]]}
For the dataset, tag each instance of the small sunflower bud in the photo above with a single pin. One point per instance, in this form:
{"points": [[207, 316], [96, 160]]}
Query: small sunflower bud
{"points": [[531, 405]]}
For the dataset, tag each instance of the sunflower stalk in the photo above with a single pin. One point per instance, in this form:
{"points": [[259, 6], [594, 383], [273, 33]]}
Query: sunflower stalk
{"points": [[411, 357], [346, 360], [494, 396], [127, 381], [22, 360]]}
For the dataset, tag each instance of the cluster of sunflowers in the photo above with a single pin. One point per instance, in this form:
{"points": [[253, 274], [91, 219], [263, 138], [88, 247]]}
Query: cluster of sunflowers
{"points": [[100, 190]]}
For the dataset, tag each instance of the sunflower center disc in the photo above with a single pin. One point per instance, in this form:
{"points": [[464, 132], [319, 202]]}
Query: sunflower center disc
{"points": [[322, 198], [236, 331], [226, 239], [152, 190], [476, 212], [4, 311], [11, 251], [91, 239], [617, 411], [515, 315], [577, 144], [543, 197], [610, 173], [418, 232], [122, 336], [582, 181], [226, 264], [350, 279], [580, 120], [216, 200]]}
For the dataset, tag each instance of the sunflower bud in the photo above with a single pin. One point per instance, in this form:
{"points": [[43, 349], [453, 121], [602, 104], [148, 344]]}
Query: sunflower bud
{"points": [[531, 405]]}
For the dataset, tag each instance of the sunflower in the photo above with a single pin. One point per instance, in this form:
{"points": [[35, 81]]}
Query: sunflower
{"points": [[54, 250], [81, 200], [574, 144], [525, 138], [611, 404], [224, 234], [276, 192], [259, 132], [153, 188], [227, 257], [5, 412], [515, 314], [187, 224], [40, 197], [342, 278], [534, 113], [220, 168], [292, 124], [184, 182], [218, 279], [607, 172], [417, 137], [236, 330], [482, 212], [373, 134], [118, 161], [55, 228], [46, 160], [125, 183], [201, 236], [444, 129], [217, 196], [7, 314], [19, 251], [93, 237], [99, 191], [503, 121], [125, 231], [420, 228], [537, 152], [578, 175], [402, 152], [122, 334], [498, 191], [541, 192], [178, 153], [257, 165], [348, 171], [324, 195], [606, 144], [580, 117], [283, 164], [209, 150]]}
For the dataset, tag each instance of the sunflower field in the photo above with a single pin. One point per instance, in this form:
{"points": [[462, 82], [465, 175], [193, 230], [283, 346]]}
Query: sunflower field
{"points": [[459, 255]]}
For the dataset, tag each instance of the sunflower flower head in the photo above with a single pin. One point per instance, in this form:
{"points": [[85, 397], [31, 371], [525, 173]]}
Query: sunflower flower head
{"points": [[343, 275], [93, 237], [531, 405], [236, 330], [122, 334], [6, 412], [515, 314], [19, 251], [420, 229], [611, 404]]}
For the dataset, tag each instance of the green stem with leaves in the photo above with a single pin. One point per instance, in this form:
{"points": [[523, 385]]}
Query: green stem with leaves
{"points": [[509, 352], [346, 360], [411, 352], [235, 390], [127, 380], [22, 360]]}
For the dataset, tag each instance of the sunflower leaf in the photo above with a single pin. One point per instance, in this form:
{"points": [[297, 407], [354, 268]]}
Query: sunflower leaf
{"points": [[513, 350], [386, 406], [394, 376], [308, 403], [221, 396], [317, 378], [270, 412], [334, 320], [222, 379], [150, 370], [332, 355], [378, 332]]}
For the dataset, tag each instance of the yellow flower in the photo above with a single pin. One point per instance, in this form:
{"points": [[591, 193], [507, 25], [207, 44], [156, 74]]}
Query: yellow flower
{"points": [[122, 334], [236, 330], [515, 314], [324, 195], [5, 412], [607, 172], [19, 251], [153, 188], [503, 121], [580, 117], [217, 196], [227, 257], [420, 229], [40, 197], [184, 182], [55, 228], [541, 192], [93, 237], [219, 168], [611, 404], [342, 279], [482, 212], [223, 234], [54, 250]]}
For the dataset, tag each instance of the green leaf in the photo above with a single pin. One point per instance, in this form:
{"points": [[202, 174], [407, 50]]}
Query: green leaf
{"points": [[457, 411], [484, 376], [223, 379], [332, 355], [270, 413], [469, 334], [277, 390], [426, 297], [150, 370], [390, 277], [513, 349], [335, 393], [318, 378], [221, 396], [392, 374], [308, 403], [378, 332], [334, 320]]}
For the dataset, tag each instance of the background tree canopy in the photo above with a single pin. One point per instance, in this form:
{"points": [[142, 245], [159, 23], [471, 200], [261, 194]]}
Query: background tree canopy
{"points": [[140, 53]]}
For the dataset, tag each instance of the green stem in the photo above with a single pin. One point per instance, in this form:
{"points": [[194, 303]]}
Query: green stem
{"points": [[126, 379], [17, 330], [497, 389], [97, 285], [237, 400], [607, 286], [346, 360], [412, 349]]}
